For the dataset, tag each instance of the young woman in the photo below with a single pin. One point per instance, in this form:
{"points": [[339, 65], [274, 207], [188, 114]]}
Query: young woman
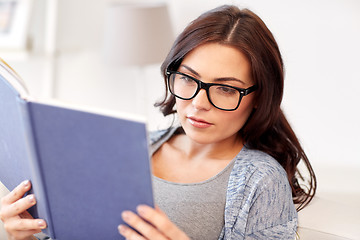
{"points": [[229, 169]]}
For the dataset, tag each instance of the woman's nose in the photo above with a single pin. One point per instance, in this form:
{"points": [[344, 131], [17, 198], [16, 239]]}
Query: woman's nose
{"points": [[201, 101]]}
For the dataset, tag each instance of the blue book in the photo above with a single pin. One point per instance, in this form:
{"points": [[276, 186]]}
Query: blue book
{"points": [[85, 167]]}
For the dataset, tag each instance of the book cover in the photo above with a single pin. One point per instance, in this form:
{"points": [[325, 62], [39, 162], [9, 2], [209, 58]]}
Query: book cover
{"points": [[86, 167]]}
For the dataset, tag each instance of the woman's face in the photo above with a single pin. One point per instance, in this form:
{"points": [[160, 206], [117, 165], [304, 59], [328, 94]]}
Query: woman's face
{"points": [[215, 63]]}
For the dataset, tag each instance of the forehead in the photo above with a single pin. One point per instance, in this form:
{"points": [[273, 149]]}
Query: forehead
{"points": [[215, 60]]}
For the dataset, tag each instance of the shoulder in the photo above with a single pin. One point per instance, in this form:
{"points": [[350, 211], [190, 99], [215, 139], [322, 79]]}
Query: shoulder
{"points": [[257, 158], [155, 136], [160, 136], [257, 167]]}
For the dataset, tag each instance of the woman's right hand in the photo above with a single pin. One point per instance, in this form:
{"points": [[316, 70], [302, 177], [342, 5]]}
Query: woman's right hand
{"points": [[18, 223]]}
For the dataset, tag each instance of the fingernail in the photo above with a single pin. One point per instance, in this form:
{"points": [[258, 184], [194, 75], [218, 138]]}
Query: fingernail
{"points": [[41, 224], [122, 229], [125, 215], [31, 198], [141, 209], [26, 183]]}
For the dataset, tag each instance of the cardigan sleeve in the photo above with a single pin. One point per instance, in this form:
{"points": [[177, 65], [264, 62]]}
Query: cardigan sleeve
{"points": [[272, 214], [285, 231], [259, 200]]}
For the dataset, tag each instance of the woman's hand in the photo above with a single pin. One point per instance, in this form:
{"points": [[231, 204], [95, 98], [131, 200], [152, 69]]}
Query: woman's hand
{"points": [[151, 224], [18, 223]]}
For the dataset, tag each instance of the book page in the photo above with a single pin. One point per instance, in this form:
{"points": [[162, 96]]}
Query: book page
{"points": [[13, 79]]}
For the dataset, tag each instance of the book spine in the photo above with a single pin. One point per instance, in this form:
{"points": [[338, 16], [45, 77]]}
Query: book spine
{"points": [[42, 206]]}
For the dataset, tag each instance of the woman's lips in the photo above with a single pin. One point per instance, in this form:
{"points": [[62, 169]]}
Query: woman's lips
{"points": [[198, 123]]}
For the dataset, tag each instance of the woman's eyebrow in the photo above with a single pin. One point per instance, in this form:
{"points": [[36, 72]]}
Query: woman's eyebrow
{"points": [[226, 79], [222, 79], [190, 69]]}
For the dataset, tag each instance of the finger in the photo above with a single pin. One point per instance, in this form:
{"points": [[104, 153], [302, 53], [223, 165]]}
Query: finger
{"points": [[18, 207], [17, 193], [23, 228], [141, 226], [129, 233], [19, 224], [161, 222]]}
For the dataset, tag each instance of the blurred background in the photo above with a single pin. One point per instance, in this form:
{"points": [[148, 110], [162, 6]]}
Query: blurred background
{"points": [[74, 51]]}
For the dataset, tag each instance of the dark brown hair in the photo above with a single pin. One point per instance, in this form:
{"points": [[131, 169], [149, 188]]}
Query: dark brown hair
{"points": [[267, 128]]}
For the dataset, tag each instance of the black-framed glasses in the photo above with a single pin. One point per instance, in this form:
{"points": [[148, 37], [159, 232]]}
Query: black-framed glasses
{"points": [[221, 96]]}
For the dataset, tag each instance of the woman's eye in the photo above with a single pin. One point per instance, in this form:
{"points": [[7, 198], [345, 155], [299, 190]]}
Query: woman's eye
{"points": [[225, 90], [186, 79]]}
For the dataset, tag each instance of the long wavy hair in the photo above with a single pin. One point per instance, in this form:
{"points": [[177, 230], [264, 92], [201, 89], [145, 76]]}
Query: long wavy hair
{"points": [[267, 128]]}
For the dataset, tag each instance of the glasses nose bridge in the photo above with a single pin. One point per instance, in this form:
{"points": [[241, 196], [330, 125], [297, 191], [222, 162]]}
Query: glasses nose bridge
{"points": [[202, 85], [205, 86]]}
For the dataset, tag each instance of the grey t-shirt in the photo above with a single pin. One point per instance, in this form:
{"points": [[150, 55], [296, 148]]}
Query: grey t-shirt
{"points": [[196, 208]]}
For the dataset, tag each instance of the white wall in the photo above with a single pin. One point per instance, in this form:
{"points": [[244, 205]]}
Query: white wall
{"points": [[319, 41]]}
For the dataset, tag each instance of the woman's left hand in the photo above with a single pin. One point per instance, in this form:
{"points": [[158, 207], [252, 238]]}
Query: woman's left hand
{"points": [[151, 224]]}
